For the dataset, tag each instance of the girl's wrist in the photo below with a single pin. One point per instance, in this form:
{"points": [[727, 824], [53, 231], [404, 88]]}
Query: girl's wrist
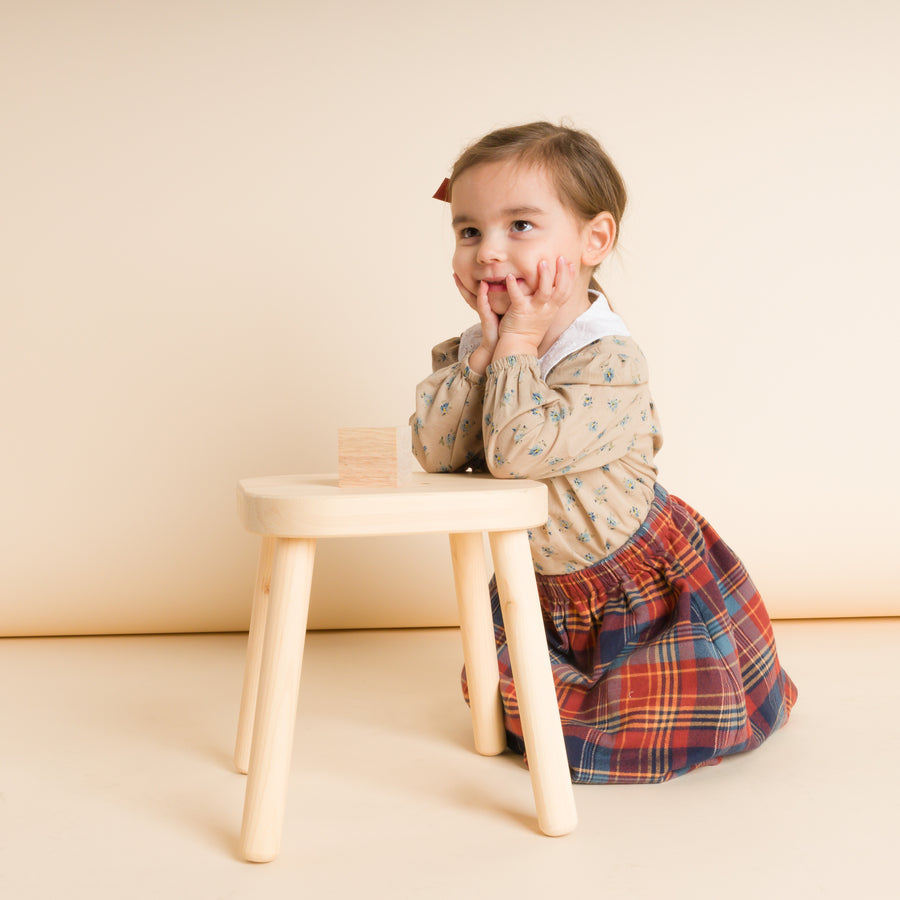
{"points": [[514, 345], [479, 359]]}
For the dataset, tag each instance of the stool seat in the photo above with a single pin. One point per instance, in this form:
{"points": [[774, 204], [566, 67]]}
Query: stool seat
{"points": [[314, 506], [290, 513]]}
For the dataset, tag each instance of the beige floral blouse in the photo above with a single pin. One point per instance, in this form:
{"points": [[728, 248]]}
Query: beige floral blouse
{"points": [[587, 428]]}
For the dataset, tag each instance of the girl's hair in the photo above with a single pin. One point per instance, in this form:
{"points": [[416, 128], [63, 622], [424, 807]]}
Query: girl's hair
{"points": [[585, 178]]}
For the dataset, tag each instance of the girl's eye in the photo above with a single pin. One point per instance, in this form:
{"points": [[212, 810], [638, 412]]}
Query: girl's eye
{"points": [[469, 232], [520, 225]]}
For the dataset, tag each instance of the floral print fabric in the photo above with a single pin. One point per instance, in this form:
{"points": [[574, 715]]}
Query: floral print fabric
{"points": [[589, 432]]}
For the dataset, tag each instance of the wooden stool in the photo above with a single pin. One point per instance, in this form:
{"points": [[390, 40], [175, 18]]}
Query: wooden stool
{"points": [[291, 512]]}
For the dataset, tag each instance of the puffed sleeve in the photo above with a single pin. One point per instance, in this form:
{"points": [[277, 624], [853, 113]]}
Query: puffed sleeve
{"points": [[446, 426], [594, 408]]}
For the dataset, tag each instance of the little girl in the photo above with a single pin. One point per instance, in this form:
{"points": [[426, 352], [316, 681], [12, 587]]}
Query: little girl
{"points": [[662, 651]]}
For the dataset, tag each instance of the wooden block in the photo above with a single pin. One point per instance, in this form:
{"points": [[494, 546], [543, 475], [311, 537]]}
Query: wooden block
{"points": [[374, 457]]}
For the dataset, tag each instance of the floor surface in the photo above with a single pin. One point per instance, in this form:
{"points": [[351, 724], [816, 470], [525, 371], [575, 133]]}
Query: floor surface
{"points": [[116, 781]]}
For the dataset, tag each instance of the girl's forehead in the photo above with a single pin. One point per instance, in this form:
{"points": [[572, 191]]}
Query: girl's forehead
{"points": [[502, 183]]}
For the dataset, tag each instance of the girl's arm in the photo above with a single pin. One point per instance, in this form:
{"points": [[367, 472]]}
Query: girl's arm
{"points": [[594, 411], [446, 426]]}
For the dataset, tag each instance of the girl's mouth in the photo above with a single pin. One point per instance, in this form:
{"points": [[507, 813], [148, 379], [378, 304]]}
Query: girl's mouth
{"points": [[499, 286]]}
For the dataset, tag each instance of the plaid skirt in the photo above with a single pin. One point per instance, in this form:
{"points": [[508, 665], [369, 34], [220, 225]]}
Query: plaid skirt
{"points": [[662, 654]]}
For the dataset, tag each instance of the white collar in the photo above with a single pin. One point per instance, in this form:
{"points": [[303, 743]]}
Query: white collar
{"points": [[597, 321]]}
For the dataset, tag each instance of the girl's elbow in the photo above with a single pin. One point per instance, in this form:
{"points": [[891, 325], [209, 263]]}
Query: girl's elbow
{"points": [[420, 453], [499, 467], [433, 466], [427, 460]]}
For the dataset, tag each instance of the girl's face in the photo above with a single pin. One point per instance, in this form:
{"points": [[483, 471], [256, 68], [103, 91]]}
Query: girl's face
{"points": [[508, 217]]}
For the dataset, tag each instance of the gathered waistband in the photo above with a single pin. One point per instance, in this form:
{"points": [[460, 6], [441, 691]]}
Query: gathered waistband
{"points": [[643, 544]]}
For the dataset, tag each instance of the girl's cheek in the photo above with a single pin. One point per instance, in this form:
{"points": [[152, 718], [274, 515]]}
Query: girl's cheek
{"points": [[532, 279]]}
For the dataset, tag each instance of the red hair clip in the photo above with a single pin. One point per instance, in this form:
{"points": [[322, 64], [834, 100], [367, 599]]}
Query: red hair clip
{"points": [[442, 192]]}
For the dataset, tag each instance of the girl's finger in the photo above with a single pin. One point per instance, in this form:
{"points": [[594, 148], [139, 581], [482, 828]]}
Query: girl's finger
{"points": [[545, 281], [482, 307], [563, 272], [513, 289], [489, 320], [565, 276], [482, 294]]}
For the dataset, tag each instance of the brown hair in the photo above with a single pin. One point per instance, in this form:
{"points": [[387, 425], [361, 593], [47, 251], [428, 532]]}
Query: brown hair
{"points": [[585, 177]]}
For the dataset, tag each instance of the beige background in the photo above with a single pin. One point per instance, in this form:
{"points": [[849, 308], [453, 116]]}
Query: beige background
{"points": [[218, 245]]}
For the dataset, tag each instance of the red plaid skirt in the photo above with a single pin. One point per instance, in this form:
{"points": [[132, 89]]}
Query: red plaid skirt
{"points": [[662, 654]]}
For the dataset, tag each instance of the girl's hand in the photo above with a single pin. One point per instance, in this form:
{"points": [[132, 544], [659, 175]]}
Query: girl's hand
{"points": [[530, 316], [490, 325]]}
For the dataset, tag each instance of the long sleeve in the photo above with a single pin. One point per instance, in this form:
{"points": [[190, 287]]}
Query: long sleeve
{"points": [[594, 408], [588, 430], [446, 426]]}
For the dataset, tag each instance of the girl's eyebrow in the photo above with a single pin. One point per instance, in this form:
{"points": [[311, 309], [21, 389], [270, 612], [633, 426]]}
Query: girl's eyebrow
{"points": [[523, 211], [513, 211]]}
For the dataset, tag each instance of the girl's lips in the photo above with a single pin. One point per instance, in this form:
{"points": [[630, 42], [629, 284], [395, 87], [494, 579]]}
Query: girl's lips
{"points": [[500, 286]]}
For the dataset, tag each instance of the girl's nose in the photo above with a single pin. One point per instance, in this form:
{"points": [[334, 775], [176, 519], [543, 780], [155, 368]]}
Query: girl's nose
{"points": [[490, 249]]}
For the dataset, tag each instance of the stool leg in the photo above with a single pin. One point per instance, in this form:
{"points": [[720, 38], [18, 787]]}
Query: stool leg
{"points": [[533, 677], [479, 648], [254, 654], [276, 706]]}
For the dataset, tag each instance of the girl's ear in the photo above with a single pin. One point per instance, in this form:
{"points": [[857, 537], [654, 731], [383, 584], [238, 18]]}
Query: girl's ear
{"points": [[600, 238]]}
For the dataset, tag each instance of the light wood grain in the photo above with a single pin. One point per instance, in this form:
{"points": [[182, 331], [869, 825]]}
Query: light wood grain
{"points": [[291, 512], [254, 653], [276, 707], [479, 648], [314, 505], [530, 663], [374, 457]]}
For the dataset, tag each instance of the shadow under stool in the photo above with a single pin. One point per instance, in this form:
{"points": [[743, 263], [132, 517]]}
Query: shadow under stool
{"points": [[290, 513]]}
